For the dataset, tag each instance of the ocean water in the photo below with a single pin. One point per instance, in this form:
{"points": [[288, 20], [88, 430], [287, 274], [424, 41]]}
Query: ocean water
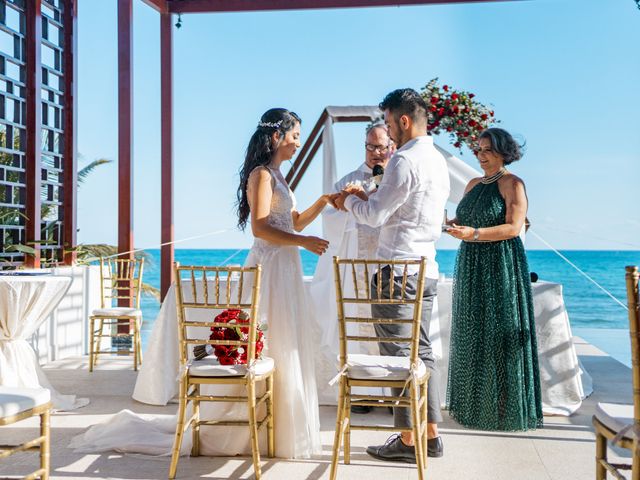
{"points": [[589, 308]]}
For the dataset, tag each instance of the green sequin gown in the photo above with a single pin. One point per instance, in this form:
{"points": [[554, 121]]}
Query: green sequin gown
{"points": [[494, 381]]}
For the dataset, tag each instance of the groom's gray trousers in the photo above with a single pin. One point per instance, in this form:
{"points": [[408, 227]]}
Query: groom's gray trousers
{"points": [[402, 416]]}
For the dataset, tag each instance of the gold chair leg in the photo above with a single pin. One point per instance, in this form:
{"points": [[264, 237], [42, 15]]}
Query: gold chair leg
{"points": [[347, 429], [177, 442], [91, 342], [417, 437], [253, 427], [133, 325], [601, 454], [139, 330], [338, 435], [271, 447], [424, 417], [195, 426], [98, 342], [45, 446]]}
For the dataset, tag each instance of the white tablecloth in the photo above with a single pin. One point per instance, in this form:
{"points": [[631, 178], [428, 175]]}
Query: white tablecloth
{"points": [[560, 373], [157, 381], [25, 302]]}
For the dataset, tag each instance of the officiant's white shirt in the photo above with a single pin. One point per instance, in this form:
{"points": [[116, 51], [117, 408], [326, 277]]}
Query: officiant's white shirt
{"points": [[409, 204]]}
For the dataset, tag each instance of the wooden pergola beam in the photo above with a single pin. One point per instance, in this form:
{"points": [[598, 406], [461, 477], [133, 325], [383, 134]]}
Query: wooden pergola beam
{"points": [[166, 127], [312, 145], [33, 151], [159, 5], [208, 6], [125, 133], [70, 180]]}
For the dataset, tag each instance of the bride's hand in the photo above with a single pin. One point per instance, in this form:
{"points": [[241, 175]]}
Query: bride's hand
{"points": [[315, 244], [330, 199], [357, 190]]}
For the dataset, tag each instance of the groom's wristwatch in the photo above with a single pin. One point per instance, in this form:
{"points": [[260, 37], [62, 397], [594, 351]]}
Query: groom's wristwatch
{"points": [[476, 234]]}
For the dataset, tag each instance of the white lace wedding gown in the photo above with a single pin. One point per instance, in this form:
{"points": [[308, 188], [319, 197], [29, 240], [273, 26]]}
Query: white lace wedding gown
{"points": [[286, 309]]}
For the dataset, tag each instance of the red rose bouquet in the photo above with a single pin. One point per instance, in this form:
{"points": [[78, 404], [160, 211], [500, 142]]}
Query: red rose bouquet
{"points": [[457, 113], [231, 354]]}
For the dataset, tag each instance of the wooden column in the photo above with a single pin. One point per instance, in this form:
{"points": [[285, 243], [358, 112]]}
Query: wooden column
{"points": [[125, 131], [70, 159], [166, 101], [33, 151]]}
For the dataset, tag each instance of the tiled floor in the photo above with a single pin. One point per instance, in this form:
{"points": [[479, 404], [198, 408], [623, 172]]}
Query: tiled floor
{"points": [[563, 449]]}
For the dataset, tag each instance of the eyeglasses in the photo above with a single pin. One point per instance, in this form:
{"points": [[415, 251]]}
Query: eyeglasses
{"points": [[372, 148]]}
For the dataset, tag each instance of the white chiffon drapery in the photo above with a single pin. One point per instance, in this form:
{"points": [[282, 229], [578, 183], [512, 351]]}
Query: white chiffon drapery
{"points": [[25, 303]]}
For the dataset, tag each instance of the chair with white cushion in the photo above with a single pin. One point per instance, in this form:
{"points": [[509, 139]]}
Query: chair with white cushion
{"points": [[619, 423], [210, 289], [360, 370], [120, 282], [18, 404]]}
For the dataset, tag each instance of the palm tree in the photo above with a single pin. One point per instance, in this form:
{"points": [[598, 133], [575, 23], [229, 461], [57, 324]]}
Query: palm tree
{"points": [[86, 253]]}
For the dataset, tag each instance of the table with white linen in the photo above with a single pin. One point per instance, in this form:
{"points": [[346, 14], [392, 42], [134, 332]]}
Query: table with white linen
{"points": [[563, 382], [25, 302]]}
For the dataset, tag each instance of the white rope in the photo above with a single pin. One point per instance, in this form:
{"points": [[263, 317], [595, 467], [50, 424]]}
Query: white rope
{"points": [[579, 270], [182, 240], [342, 372], [551, 226], [224, 262]]}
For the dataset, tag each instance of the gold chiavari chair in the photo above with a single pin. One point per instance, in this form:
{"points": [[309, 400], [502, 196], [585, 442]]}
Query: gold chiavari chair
{"points": [[358, 370], [617, 423], [120, 279], [18, 404], [211, 288]]}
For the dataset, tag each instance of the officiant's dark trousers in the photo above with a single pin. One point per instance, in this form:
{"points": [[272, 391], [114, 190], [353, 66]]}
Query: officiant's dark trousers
{"points": [[402, 416]]}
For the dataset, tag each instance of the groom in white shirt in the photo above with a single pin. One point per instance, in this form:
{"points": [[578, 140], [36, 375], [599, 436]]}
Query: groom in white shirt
{"points": [[409, 206]]}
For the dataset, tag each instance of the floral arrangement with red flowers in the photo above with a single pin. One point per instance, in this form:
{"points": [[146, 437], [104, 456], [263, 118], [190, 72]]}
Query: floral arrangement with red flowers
{"points": [[231, 354], [457, 113]]}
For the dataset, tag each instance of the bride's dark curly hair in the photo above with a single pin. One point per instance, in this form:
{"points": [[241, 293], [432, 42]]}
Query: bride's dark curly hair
{"points": [[260, 151]]}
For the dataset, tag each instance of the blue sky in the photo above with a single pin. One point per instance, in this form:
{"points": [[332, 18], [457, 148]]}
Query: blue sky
{"points": [[561, 74]]}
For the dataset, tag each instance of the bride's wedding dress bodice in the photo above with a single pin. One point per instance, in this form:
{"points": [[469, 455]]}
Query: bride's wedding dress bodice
{"points": [[282, 203]]}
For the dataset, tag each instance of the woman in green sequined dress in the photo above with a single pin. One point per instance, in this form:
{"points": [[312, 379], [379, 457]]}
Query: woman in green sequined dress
{"points": [[494, 381]]}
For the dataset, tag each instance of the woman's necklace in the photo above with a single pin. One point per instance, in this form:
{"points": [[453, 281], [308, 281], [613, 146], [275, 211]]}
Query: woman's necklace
{"points": [[495, 177]]}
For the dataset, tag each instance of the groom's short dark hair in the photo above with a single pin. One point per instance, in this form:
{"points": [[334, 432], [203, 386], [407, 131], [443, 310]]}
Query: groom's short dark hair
{"points": [[405, 101]]}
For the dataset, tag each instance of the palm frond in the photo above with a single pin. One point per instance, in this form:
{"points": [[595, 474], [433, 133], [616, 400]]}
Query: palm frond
{"points": [[88, 253], [150, 290], [84, 172]]}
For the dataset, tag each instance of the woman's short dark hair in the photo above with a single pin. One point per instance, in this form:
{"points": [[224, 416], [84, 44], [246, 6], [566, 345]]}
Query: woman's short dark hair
{"points": [[405, 101], [260, 151], [503, 143]]}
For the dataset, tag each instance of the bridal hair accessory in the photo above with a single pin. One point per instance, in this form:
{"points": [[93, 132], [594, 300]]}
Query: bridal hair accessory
{"points": [[270, 124]]}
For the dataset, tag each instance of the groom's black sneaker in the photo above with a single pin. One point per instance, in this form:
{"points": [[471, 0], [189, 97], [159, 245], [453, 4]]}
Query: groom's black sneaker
{"points": [[393, 451], [355, 408], [435, 448]]}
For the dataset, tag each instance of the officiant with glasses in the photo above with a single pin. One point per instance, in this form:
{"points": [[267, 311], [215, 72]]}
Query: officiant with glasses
{"points": [[348, 239], [378, 150]]}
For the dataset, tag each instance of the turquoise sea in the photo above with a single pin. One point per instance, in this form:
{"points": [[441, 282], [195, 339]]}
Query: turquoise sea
{"points": [[593, 314]]}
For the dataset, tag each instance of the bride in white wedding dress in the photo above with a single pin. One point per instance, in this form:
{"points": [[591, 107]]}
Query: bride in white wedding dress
{"points": [[266, 200]]}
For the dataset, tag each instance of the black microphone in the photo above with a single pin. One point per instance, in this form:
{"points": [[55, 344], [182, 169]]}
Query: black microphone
{"points": [[378, 171]]}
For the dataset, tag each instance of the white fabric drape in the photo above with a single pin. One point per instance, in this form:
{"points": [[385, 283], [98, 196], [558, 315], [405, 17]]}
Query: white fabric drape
{"points": [[25, 303], [459, 175], [329, 171]]}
